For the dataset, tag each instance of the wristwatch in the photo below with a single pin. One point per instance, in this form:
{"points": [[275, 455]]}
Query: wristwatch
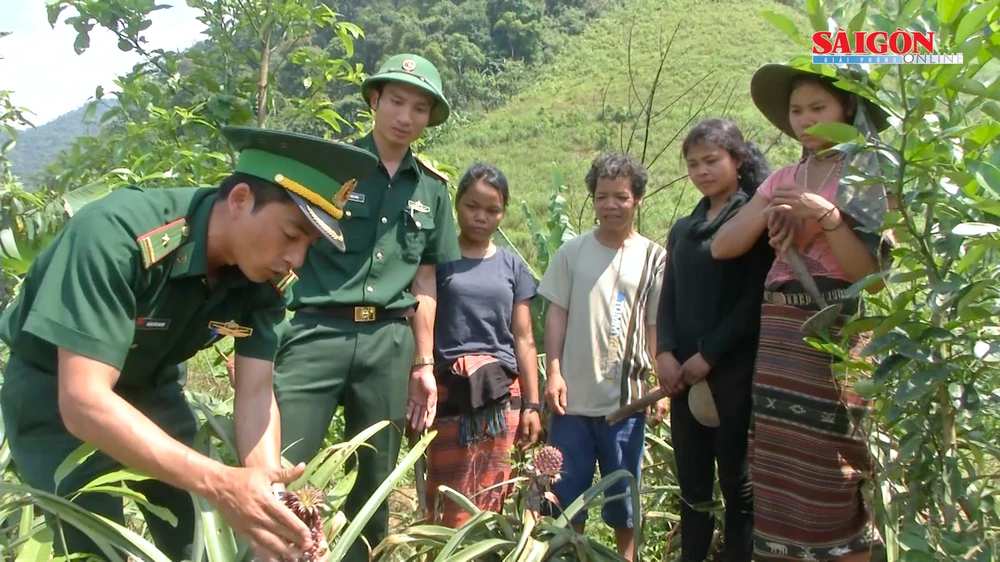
{"points": [[531, 406], [421, 361]]}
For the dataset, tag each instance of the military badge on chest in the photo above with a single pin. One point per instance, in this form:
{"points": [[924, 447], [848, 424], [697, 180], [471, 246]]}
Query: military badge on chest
{"points": [[230, 328]]}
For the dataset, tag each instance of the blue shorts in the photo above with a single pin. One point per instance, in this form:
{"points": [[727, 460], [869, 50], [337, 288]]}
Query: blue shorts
{"points": [[584, 441]]}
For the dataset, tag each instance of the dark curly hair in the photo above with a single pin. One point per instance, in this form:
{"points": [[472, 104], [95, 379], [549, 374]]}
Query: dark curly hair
{"points": [[726, 135], [613, 165]]}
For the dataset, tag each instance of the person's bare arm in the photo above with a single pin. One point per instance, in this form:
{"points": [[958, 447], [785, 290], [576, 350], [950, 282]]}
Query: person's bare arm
{"points": [[524, 349], [852, 254], [555, 338], [527, 368], [95, 414], [256, 420], [422, 405], [738, 234]]}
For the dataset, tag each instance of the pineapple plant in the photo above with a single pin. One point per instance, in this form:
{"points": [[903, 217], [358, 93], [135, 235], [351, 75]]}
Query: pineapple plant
{"points": [[544, 470], [307, 504]]}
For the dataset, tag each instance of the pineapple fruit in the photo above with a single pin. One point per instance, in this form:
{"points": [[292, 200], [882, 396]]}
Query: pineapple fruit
{"points": [[307, 505]]}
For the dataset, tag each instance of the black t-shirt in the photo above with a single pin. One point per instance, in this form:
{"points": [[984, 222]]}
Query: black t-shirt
{"points": [[712, 306], [475, 301]]}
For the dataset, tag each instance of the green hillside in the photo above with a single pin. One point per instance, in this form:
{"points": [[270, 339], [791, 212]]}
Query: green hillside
{"points": [[556, 124]]}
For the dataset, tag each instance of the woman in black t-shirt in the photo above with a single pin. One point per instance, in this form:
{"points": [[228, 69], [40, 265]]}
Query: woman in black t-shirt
{"points": [[708, 323]]}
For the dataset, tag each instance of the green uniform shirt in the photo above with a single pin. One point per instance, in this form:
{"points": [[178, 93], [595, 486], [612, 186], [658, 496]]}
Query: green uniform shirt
{"points": [[124, 283], [390, 226]]}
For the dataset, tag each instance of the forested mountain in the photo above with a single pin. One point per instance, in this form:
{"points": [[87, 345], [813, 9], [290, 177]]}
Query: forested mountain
{"points": [[38, 146], [485, 49]]}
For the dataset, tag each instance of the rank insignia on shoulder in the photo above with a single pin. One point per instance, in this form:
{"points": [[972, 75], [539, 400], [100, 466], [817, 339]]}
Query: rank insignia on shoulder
{"points": [[434, 171], [281, 284], [230, 328], [161, 241]]}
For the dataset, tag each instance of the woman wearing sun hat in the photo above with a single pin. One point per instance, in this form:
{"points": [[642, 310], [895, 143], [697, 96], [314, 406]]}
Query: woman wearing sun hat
{"points": [[809, 451]]}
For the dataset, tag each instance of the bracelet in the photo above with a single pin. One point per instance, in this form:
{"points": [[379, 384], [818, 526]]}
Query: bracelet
{"points": [[839, 224], [826, 214], [531, 406]]}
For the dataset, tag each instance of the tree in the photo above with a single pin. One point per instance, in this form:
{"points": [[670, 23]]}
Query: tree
{"points": [[934, 329]]}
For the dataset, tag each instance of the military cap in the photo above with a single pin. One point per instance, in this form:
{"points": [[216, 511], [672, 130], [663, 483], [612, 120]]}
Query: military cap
{"points": [[415, 71], [771, 90], [319, 174]]}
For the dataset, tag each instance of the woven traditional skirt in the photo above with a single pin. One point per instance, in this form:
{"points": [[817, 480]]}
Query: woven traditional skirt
{"points": [[478, 471], [809, 455]]}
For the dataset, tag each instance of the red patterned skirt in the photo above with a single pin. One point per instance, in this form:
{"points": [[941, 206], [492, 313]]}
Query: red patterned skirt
{"points": [[809, 450], [476, 471]]}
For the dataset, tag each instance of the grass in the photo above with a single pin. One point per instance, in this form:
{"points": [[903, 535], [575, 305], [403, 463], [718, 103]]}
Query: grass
{"points": [[557, 125]]}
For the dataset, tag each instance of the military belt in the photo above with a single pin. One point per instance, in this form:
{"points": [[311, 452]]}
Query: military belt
{"points": [[361, 314]]}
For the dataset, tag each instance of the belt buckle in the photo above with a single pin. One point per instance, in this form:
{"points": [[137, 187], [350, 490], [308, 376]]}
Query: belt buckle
{"points": [[364, 313]]}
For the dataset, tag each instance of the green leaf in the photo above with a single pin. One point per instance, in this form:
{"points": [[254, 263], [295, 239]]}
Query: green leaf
{"points": [[124, 45], [817, 15], [973, 21], [987, 175], [857, 22], [82, 42], [992, 109], [72, 461], [836, 132], [887, 367], [784, 23], [53, 8], [919, 384], [332, 118], [862, 324], [973, 292], [948, 10], [344, 542], [75, 200], [972, 87]]}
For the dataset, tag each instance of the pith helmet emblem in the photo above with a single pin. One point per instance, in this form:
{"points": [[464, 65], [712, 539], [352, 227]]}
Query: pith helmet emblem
{"points": [[409, 65]]}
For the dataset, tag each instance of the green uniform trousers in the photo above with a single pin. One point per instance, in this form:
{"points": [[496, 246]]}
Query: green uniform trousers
{"points": [[322, 363], [39, 442]]}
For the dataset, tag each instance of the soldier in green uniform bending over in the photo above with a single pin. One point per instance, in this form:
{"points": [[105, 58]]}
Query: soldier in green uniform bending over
{"points": [[355, 338], [135, 285]]}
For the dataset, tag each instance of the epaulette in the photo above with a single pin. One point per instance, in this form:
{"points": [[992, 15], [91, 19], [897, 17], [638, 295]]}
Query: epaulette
{"points": [[434, 171], [281, 284], [161, 241]]}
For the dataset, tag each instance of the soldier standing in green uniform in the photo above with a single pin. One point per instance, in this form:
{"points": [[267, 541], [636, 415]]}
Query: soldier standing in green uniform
{"points": [[135, 285], [355, 338]]}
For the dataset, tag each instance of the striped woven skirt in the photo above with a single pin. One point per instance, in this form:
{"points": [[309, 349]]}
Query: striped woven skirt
{"points": [[477, 471], [809, 455]]}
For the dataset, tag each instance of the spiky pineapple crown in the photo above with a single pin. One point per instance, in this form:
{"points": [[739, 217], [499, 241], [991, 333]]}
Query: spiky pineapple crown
{"points": [[548, 460]]}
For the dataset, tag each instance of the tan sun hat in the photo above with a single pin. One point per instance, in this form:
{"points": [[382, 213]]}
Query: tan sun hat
{"points": [[702, 405], [771, 88]]}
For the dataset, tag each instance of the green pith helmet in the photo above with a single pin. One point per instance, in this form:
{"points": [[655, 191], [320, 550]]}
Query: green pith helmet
{"points": [[415, 71], [318, 174]]}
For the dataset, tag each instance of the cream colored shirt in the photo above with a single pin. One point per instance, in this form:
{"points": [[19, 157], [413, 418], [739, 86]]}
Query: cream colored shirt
{"points": [[603, 366]]}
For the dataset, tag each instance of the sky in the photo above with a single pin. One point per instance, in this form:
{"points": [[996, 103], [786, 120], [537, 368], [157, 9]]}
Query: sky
{"points": [[47, 76]]}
